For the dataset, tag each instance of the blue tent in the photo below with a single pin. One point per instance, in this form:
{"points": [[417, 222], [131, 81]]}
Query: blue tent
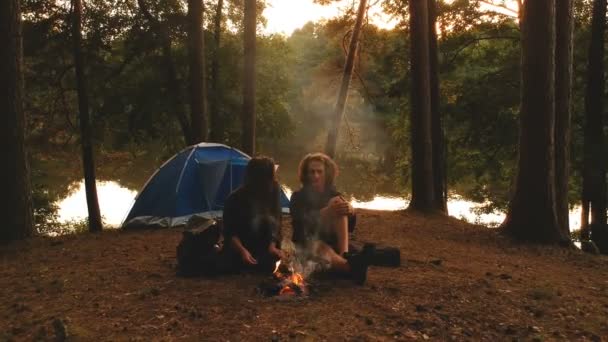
{"points": [[196, 180]]}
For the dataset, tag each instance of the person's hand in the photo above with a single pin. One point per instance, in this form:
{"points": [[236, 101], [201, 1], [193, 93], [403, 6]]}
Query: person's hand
{"points": [[247, 258], [340, 207], [280, 254]]}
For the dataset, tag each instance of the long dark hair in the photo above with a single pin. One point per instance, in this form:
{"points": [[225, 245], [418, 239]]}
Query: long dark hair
{"points": [[261, 185]]}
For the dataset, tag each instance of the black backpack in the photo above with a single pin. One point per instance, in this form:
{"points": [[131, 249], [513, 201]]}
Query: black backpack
{"points": [[198, 252]]}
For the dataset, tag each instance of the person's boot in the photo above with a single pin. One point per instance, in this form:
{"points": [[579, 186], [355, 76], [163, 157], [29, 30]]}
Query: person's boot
{"points": [[359, 263]]}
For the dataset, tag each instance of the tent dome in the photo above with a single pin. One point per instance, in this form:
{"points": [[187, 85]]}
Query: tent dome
{"points": [[197, 180]]}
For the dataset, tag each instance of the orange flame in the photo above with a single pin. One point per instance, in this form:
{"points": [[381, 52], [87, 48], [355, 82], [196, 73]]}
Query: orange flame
{"points": [[297, 279], [287, 291], [294, 279]]}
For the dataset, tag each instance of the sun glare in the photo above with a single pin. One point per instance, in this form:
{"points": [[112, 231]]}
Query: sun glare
{"points": [[285, 16]]}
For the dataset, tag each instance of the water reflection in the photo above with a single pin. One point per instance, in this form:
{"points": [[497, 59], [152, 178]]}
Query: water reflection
{"points": [[114, 203], [381, 203], [458, 208]]}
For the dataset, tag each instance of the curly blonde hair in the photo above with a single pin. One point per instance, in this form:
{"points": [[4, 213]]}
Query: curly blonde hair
{"points": [[331, 169]]}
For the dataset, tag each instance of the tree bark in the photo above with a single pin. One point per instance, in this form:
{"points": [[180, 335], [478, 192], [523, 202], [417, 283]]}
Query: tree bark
{"points": [[332, 136], [520, 12], [249, 79], [168, 69], [563, 107], [14, 174], [594, 165], [437, 135], [420, 114], [196, 59], [88, 160], [217, 124], [532, 213]]}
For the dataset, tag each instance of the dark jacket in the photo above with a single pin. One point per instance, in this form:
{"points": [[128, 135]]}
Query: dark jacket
{"points": [[253, 223], [305, 206]]}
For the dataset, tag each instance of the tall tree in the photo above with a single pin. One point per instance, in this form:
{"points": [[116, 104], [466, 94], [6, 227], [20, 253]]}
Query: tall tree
{"points": [[531, 215], [217, 124], [420, 113], [594, 163], [167, 66], [564, 24], [196, 59], [17, 207], [437, 135], [332, 137], [248, 115], [85, 126]]}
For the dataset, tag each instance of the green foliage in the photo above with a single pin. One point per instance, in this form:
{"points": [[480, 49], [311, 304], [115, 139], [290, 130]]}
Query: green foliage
{"points": [[133, 109], [45, 209], [130, 102], [46, 218], [576, 235]]}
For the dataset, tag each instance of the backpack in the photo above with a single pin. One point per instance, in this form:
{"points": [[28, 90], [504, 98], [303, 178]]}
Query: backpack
{"points": [[198, 252]]}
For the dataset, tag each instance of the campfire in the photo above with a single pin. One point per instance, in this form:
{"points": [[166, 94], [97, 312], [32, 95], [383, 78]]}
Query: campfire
{"points": [[292, 282], [286, 281]]}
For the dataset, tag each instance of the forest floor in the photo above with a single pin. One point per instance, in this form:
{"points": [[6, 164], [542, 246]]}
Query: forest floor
{"points": [[457, 282]]}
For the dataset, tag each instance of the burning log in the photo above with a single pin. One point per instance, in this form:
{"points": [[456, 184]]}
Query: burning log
{"points": [[285, 282]]}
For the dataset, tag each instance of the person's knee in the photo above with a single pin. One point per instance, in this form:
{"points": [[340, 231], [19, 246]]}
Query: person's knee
{"points": [[335, 200]]}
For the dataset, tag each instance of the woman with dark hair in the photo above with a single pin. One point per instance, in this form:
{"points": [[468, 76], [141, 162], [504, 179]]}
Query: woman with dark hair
{"points": [[322, 218], [252, 218]]}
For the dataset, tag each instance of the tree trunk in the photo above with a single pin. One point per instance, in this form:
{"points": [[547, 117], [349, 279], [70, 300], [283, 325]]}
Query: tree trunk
{"points": [[594, 165], [217, 124], [196, 59], [249, 78], [17, 207], [168, 69], [85, 126], [420, 114], [438, 138], [332, 136], [520, 12], [532, 213], [563, 108]]}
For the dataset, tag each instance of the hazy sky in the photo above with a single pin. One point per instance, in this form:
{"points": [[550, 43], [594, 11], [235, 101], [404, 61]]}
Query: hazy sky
{"points": [[284, 16]]}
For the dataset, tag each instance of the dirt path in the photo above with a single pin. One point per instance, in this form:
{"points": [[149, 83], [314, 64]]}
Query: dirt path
{"points": [[457, 282]]}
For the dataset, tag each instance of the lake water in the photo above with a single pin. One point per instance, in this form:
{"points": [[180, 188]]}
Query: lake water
{"points": [[115, 202]]}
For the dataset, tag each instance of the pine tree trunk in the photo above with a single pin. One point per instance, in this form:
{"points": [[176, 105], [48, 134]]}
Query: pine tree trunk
{"points": [[438, 138], [520, 12], [196, 59], [249, 79], [420, 113], [594, 164], [217, 124], [332, 136], [563, 107], [14, 175], [532, 213], [85, 126]]}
